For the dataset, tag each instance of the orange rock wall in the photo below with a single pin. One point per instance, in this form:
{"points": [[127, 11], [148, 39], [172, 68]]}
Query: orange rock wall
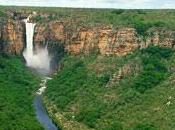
{"points": [[104, 39], [12, 36]]}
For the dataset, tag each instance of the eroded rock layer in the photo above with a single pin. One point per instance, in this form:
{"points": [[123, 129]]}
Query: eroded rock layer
{"points": [[13, 37], [107, 40]]}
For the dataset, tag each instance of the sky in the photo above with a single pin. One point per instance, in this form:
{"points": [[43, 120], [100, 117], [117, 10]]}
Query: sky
{"points": [[118, 4]]}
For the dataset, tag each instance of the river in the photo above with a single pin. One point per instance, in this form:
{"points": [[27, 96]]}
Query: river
{"points": [[41, 112]]}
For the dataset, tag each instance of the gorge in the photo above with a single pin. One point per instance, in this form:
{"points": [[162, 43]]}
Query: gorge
{"points": [[39, 61], [98, 69]]}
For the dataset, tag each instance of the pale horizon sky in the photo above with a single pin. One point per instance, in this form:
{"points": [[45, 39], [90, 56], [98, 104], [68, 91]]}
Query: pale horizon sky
{"points": [[118, 4]]}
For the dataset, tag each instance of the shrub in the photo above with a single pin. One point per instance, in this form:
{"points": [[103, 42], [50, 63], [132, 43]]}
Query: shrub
{"points": [[104, 79], [145, 127], [154, 71], [114, 126], [89, 117], [119, 11]]}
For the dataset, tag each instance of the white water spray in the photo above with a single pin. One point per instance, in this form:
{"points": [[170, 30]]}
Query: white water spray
{"points": [[39, 60]]}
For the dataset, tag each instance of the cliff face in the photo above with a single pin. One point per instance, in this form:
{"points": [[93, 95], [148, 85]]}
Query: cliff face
{"points": [[110, 41], [12, 37], [54, 31], [106, 40]]}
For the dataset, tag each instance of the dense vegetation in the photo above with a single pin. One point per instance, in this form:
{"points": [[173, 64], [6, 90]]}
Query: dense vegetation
{"points": [[140, 101], [142, 20], [17, 85]]}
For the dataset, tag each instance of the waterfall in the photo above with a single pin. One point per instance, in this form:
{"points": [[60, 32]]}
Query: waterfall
{"points": [[40, 59]]}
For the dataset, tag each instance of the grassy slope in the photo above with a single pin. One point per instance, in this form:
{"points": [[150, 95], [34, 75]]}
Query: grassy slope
{"points": [[16, 87], [138, 102]]}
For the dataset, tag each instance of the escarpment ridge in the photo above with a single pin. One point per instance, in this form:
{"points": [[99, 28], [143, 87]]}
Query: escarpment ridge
{"points": [[106, 39]]}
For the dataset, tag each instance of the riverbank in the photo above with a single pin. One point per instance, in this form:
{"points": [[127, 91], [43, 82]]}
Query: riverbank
{"points": [[60, 119]]}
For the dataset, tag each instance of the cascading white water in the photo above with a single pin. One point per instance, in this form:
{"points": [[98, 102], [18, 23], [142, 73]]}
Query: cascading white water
{"points": [[40, 60]]}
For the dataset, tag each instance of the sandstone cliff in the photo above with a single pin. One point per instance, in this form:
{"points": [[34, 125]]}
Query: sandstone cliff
{"points": [[53, 31], [13, 37], [106, 40]]}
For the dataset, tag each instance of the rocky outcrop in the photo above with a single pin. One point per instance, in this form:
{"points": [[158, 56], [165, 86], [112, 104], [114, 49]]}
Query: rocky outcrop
{"points": [[161, 37], [128, 69], [12, 37]]}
